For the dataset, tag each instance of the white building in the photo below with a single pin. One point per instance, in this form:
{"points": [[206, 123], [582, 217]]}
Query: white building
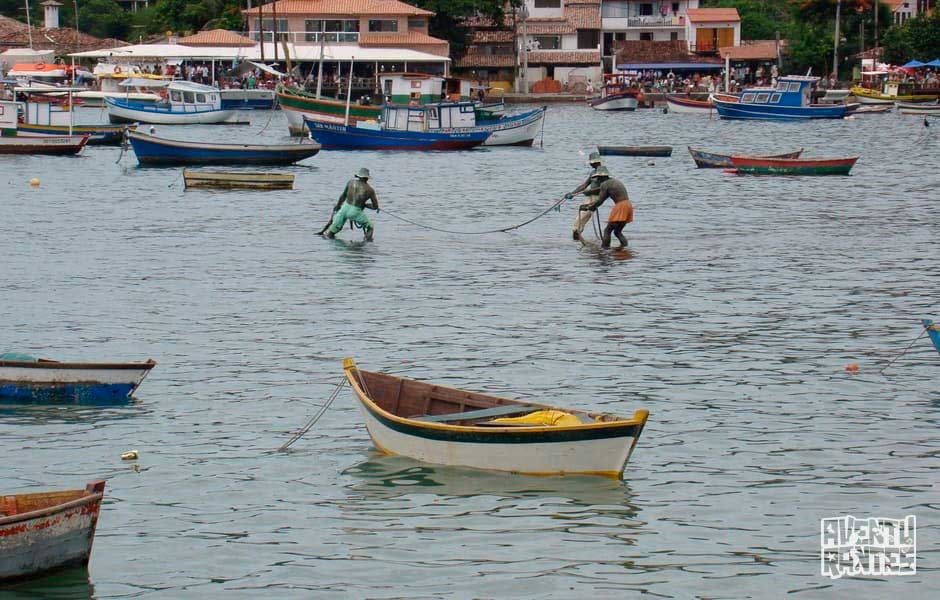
{"points": [[560, 40]]}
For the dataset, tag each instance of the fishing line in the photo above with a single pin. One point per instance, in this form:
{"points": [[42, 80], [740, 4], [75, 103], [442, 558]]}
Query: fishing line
{"points": [[299, 434], [554, 206]]}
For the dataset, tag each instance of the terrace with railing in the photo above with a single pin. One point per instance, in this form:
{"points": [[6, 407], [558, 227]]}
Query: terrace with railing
{"points": [[308, 37]]}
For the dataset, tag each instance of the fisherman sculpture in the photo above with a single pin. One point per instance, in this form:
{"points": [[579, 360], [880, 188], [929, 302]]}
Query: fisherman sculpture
{"points": [[622, 212], [590, 190], [357, 196]]}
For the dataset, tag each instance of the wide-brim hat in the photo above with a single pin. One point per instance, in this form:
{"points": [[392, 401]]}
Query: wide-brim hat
{"points": [[594, 157], [362, 173], [601, 172]]}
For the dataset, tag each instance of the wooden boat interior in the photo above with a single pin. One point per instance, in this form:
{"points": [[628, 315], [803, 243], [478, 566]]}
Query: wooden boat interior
{"points": [[21, 504], [435, 403]]}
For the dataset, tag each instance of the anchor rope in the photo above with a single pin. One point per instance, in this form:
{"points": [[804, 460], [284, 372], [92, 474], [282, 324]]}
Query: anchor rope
{"points": [[299, 434], [903, 352], [555, 206]]}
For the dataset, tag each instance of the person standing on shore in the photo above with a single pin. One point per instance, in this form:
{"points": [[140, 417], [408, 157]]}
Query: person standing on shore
{"points": [[589, 189], [621, 214], [356, 196]]}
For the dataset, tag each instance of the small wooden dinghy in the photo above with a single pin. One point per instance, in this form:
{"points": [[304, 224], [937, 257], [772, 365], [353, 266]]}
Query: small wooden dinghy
{"points": [[152, 150], [715, 160], [47, 531], [238, 180], [753, 165], [447, 426], [42, 380], [635, 150], [54, 145]]}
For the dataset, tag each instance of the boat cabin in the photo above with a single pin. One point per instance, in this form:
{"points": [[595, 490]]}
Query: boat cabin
{"points": [[794, 90], [8, 118], [434, 117], [421, 88], [177, 95]]}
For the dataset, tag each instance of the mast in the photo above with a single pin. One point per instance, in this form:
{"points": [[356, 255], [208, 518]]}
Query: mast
{"points": [[320, 67], [29, 27], [835, 43], [352, 60], [261, 26], [877, 53], [274, 34], [75, 49]]}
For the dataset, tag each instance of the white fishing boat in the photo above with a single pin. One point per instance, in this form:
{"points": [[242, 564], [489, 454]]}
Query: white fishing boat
{"points": [[915, 108], [182, 103], [617, 94], [247, 99]]}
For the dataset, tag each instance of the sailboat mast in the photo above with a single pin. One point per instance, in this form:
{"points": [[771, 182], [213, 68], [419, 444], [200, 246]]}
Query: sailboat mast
{"points": [[261, 26], [835, 43], [29, 26], [320, 68]]}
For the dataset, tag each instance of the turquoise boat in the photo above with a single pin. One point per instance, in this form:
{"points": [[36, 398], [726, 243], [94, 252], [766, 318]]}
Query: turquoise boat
{"points": [[934, 332]]}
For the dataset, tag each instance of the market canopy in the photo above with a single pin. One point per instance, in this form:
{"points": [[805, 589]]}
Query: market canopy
{"points": [[934, 63], [267, 69], [913, 64]]}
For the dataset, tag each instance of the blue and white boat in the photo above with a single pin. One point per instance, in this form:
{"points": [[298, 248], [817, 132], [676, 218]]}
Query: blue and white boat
{"points": [[39, 380], [789, 100], [247, 99], [933, 331], [182, 103], [152, 150]]}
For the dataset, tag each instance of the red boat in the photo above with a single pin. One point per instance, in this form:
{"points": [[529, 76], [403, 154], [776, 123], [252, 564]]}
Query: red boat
{"points": [[54, 144], [47, 531], [753, 165]]}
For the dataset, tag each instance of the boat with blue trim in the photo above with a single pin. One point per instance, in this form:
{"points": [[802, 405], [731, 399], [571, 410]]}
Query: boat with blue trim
{"points": [[714, 160], [42, 115], [448, 426], [789, 100], [32, 379], [933, 330], [182, 103], [47, 531], [153, 150]]}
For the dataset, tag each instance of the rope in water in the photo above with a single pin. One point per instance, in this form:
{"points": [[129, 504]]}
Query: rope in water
{"points": [[922, 333], [299, 434], [554, 206]]}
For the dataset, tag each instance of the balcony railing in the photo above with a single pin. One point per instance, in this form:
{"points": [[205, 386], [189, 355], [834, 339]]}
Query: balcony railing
{"points": [[646, 22], [308, 37], [704, 48]]}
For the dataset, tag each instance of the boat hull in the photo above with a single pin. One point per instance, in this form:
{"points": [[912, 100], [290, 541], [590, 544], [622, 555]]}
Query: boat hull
{"points": [[635, 150], [98, 135], [934, 332], [794, 166], [71, 382], [151, 150], [297, 108], [41, 541], [586, 449], [120, 112], [62, 145], [866, 96], [714, 160], [626, 101], [236, 180], [340, 137], [766, 112], [247, 99], [687, 106], [907, 108], [514, 130]]}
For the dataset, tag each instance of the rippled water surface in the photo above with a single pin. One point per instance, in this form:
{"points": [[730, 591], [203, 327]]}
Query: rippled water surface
{"points": [[731, 319]]}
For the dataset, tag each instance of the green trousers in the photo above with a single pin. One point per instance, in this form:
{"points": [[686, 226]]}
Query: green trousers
{"points": [[348, 212]]}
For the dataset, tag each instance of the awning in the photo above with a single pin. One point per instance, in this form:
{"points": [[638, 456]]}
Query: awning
{"points": [[311, 53], [913, 64], [670, 67], [267, 69], [934, 63]]}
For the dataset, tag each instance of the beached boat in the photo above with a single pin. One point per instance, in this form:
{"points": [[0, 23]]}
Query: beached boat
{"points": [[682, 105], [635, 150], [753, 165], [186, 103], [933, 331], [47, 531], [787, 101], [238, 179], [41, 380], [715, 160], [911, 108], [152, 150], [49, 145], [447, 426], [617, 94]]}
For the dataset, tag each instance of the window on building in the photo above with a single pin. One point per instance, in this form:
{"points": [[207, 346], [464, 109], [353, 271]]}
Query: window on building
{"points": [[333, 30], [416, 23], [675, 7], [383, 25], [588, 39], [547, 42], [608, 42], [269, 28], [615, 9], [547, 3], [646, 36], [646, 10], [674, 36]]}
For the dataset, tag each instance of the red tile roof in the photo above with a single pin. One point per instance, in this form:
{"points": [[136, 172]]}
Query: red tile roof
{"points": [[766, 51], [647, 52], [492, 37], [583, 14], [416, 40], [217, 37], [62, 41], [713, 15], [564, 57], [473, 59], [544, 27], [340, 7]]}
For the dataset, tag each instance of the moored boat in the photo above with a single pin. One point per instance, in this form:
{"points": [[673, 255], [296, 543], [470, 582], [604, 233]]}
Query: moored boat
{"points": [[98, 135], [911, 108], [877, 88], [682, 105], [617, 94], [238, 179], [43, 115], [247, 99], [47, 531], [933, 331], [870, 109], [186, 103], [447, 426], [753, 165], [59, 145], [41, 380], [714, 160], [635, 150], [333, 136], [152, 150], [787, 101]]}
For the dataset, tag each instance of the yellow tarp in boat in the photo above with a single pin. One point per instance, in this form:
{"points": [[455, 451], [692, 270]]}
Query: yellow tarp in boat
{"points": [[543, 417]]}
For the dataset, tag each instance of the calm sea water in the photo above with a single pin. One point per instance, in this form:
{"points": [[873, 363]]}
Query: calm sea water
{"points": [[731, 319]]}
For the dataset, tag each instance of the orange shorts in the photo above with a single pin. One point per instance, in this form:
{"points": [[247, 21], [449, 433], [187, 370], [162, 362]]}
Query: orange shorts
{"points": [[621, 213]]}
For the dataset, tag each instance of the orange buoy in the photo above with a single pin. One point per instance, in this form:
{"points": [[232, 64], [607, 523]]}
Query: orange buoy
{"points": [[34, 182], [851, 368]]}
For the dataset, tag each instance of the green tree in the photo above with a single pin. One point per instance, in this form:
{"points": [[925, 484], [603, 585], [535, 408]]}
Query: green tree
{"points": [[918, 38], [103, 18], [447, 22], [760, 19]]}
